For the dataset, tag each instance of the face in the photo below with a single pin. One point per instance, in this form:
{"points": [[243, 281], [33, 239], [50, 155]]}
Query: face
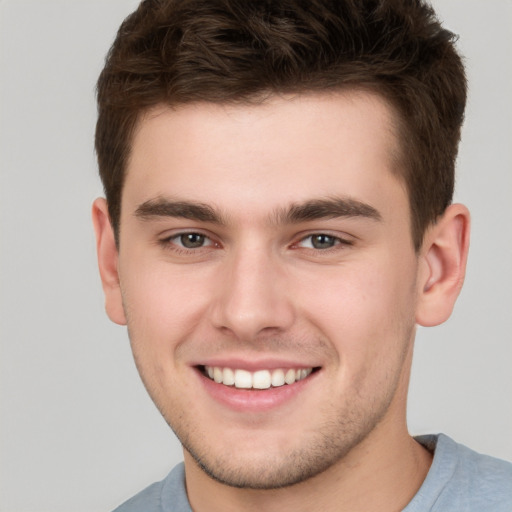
{"points": [[268, 279]]}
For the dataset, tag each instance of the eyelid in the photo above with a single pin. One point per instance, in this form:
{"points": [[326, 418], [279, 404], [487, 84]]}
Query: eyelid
{"points": [[340, 240], [180, 235], [169, 239]]}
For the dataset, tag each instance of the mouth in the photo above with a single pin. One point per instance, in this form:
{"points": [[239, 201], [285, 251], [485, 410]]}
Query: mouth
{"points": [[259, 379]]}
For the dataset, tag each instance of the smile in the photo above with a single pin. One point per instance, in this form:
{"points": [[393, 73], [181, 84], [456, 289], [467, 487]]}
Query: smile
{"points": [[260, 379]]}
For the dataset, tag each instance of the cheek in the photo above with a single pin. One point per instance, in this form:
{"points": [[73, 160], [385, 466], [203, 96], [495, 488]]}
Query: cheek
{"points": [[161, 305], [367, 309], [161, 312]]}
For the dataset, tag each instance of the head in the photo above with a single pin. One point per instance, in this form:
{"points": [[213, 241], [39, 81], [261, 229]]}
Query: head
{"points": [[235, 52], [278, 179]]}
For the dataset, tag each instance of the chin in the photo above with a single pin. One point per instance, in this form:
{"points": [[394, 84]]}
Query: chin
{"points": [[263, 475], [275, 466]]}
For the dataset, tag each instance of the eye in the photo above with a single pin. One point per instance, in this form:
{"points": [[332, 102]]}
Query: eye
{"points": [[190, 240], [321, 241]]}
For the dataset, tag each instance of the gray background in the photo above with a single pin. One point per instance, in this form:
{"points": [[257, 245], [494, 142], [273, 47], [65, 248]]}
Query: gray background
{"points": [[78, 432]]}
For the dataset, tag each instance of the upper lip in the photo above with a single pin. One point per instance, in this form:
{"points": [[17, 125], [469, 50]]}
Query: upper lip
{"points": [[255, 364]]}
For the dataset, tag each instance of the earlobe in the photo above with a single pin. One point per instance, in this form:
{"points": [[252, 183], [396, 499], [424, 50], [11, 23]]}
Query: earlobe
{"points": [[442, 266], [108, 261]]}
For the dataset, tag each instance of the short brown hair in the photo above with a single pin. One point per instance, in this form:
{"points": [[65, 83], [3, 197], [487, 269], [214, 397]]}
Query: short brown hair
{"points": [[224, 51]]}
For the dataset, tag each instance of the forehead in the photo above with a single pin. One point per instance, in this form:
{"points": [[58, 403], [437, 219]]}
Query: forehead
{"points": [[283, 150]]}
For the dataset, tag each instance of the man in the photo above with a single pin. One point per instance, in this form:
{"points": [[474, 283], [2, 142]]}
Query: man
{"points": [[278, 219]]}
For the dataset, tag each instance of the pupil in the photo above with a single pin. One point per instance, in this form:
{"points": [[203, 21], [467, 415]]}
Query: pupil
{"points": [[322, 241], [192, 240]]}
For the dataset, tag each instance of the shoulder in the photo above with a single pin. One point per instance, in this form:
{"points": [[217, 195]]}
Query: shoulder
{"points": [[462, 479], [168, 495], [487, 479]]}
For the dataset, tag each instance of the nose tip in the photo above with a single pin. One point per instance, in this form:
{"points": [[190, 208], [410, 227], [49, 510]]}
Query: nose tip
{"points": [[247, 326], [253, 300]]}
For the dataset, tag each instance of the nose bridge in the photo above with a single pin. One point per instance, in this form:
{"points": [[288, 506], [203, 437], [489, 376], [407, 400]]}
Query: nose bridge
{"points": [[253, 296]]}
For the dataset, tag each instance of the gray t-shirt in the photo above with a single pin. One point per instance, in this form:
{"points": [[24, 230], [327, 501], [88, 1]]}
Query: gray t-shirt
{"points": [[459, 480]]}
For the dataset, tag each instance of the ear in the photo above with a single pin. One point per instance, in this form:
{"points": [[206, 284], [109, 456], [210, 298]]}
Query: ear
{"points": [[108, 261], [442, 266]]}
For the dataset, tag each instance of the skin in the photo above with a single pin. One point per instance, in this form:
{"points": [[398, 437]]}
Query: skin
{"points": [[257, 290]]}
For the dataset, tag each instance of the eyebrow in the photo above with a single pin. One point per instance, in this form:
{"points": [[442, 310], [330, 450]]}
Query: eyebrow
{"points": [[330, 208], [161, 207], [315, 209]]}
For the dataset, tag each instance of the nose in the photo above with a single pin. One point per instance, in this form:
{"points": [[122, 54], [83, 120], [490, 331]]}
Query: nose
{"points": [[252, 296]]}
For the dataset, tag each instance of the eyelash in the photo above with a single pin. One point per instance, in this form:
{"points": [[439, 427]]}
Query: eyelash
{"points": [[172, 242], [338, 242]]}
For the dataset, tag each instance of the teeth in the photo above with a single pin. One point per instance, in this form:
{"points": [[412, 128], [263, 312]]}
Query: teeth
{"points": [[290, 376], [228, 377], [277, 378], [243, 379], [261, 379], [217, 375]]}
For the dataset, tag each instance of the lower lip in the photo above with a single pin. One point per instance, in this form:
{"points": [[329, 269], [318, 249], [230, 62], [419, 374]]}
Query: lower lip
{"points": [[254, 400]]}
